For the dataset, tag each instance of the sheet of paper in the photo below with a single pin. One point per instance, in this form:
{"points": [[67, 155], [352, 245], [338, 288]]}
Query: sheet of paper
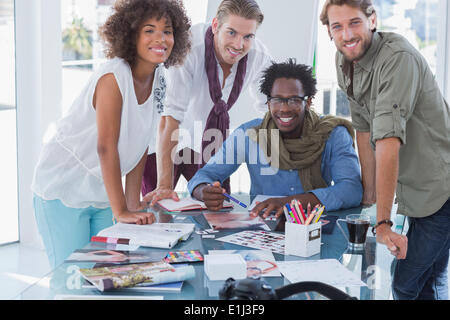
{"points": [[329, 271], [262, 240]]}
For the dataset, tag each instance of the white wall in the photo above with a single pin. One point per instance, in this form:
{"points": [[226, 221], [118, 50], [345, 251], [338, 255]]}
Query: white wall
{"points": [[8, 173], [289, 31], [38, 89]]}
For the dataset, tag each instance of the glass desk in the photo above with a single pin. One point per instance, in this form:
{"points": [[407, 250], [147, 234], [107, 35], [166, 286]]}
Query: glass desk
{"points": [[373, 264]]}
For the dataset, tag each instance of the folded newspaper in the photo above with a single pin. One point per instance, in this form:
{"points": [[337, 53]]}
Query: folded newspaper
{"points": [[128, 276], [157, 235]]}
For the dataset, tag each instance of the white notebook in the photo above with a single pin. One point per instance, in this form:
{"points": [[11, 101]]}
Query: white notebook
{"points": [[157, 235]]}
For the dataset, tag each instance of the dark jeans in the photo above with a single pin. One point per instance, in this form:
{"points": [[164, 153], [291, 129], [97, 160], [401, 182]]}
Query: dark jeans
{"points": [[423, 275]]}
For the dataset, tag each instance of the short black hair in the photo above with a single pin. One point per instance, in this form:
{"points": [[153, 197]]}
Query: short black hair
{"points": [[290, 70]]}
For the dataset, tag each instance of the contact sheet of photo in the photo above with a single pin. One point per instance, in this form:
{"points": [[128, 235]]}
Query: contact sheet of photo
{"points": [[262, 240]]}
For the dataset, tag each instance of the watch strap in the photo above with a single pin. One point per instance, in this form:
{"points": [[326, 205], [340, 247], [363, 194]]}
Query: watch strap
{"points": [[379, 223]]}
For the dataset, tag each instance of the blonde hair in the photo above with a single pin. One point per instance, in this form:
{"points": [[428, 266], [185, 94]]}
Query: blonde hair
{"points": [[365, 6], [247, 9]]}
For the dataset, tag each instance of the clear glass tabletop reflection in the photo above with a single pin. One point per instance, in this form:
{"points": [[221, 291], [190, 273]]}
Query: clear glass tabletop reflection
{"points": [[372, 263]]}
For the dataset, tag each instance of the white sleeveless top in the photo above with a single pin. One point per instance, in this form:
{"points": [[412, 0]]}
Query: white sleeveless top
{"points": [[69, 167]]}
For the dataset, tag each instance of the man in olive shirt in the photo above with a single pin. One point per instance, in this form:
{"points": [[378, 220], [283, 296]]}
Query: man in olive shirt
{"points": [[398, 111]]}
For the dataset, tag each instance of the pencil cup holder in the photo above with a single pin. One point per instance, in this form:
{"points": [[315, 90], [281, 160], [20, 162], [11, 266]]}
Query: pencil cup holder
{"points": [[301, 240]]}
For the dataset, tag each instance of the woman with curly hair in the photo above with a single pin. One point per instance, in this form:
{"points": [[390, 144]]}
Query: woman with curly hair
{"points": [[109, 128]]}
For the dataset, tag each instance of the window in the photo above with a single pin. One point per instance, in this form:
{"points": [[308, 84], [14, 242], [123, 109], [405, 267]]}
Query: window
{"points": [[416, 20], [82, 48], [82, 51], [9, 229]]}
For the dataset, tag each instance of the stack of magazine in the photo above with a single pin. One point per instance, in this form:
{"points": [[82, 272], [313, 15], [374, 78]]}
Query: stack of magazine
{"points": [[157, 235], [137, 275], [134, 270]]}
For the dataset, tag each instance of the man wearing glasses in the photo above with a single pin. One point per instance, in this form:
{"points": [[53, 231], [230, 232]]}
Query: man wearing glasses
{"points": [[402, 127], [292, 152]]}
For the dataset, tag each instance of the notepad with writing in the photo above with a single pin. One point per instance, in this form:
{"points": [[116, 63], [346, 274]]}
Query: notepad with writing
{"points": [[186, 204]]}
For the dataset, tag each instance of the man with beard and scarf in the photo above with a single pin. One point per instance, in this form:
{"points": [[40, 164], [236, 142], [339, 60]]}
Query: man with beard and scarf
{"points": [[402, 127]]}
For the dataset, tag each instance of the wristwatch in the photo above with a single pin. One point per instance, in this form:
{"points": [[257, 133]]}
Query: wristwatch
{"points": [[386, 221]]}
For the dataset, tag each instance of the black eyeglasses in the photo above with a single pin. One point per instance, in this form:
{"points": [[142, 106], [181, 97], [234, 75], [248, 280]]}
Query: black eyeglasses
{"points": [[292, 102]]}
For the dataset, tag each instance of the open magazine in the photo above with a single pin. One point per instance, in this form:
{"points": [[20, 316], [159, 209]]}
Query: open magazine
{"points": [[145, 286], [157, 235], [114, 257], [235, 221], [132, 275]]}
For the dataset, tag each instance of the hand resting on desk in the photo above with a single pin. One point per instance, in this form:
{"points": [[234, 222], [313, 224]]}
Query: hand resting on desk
{"points": [[160, 193], [130, 217], [269, 205]]}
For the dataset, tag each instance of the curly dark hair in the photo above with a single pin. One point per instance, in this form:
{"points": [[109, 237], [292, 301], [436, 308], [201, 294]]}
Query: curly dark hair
{"points": [[119, 32], [290, 70]]}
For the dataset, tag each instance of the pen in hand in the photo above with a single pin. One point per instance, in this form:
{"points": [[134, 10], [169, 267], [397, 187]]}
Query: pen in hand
{"points": [[234, 200]]}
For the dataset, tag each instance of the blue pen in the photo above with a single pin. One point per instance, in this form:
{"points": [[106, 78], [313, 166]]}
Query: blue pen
{"points": [[234, 200], [286, 214], [291, 214]]}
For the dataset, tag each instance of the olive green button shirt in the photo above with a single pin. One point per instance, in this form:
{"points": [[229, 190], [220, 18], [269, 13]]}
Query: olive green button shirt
{"points": [[394, 94]]}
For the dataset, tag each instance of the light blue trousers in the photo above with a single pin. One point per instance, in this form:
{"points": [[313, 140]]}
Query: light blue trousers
{"points": [[65, 229]]}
